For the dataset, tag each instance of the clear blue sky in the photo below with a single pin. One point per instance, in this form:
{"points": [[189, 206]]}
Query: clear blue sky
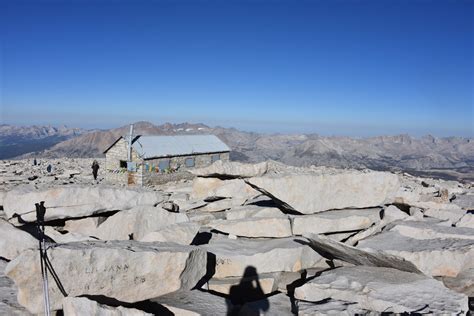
{"points": [[331, 67]]}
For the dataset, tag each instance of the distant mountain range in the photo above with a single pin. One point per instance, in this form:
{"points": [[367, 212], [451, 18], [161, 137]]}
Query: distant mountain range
{"points": [[93, 143], [18, 140], [451, 157]]}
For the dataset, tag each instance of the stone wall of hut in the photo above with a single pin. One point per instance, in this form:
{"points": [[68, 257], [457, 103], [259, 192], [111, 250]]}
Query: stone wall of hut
{"points": [[115, 174], [153, 174]]}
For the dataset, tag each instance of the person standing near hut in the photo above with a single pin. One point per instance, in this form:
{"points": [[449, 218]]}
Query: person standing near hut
{"points": [[95, 169]]}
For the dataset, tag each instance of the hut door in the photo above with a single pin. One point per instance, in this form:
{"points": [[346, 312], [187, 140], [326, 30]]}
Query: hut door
{"points": [[131, 178]]}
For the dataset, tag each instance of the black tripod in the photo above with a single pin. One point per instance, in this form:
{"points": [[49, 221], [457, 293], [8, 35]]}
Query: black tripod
{"points": [[40, 211], [45, 263]]}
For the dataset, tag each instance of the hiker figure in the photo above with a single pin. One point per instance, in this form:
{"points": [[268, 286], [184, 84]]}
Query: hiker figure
{"points": [[49, 168], [35, 162], [95, 169]]}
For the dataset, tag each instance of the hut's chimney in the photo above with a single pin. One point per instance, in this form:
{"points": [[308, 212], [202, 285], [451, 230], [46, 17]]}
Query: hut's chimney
{"points": [[129, 152]]}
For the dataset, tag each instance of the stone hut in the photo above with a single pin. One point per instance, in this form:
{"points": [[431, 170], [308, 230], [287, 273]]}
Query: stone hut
{"points": [[160, 159]]}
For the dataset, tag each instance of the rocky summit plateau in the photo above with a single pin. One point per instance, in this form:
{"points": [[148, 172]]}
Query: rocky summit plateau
{"points": [[236, 239]]}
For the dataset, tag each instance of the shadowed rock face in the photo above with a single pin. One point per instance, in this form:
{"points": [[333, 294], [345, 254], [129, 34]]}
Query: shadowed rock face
{"points": [[14, 241], [193, 303], [124, 270], [8, 293], [336, 250]]}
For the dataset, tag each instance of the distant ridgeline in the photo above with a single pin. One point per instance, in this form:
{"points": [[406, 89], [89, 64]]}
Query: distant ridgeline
{"points": [[19, 140], [12, 146], [448, 158]]}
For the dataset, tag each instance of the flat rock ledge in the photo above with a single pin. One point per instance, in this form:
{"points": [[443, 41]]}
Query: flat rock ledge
{"points": [[75, 201], [80, 306], [232, 169], [384, 290], [276, 227], [335, 221], [436, 251], [124, 270], [233, 257], [314, 193]]}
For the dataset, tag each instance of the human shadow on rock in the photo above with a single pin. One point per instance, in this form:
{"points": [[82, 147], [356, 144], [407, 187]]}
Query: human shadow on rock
{"points": [[248, 290]]}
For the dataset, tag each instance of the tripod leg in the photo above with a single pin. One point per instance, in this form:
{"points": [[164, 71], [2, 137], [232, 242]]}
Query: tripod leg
{"points": [[44, 279], [40, 211], [46, 285], [56, 279]]}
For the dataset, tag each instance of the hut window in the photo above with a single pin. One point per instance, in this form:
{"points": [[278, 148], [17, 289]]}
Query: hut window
{"points": [[164, 164], [132, 166], [189, 162], [215, 157], [123, 164]]}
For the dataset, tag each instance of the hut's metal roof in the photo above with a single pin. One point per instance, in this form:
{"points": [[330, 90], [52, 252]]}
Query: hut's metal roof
{"points": [[163, 146]]}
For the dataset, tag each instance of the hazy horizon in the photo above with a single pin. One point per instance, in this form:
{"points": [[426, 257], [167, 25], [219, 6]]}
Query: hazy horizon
{"points": [[321, 133], [347, 68]]}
